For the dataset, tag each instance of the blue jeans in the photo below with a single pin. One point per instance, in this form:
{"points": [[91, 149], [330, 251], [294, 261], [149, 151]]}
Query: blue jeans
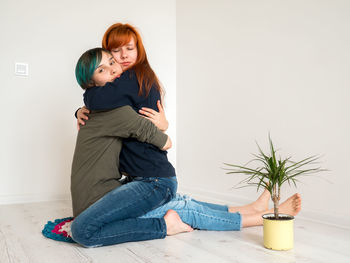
{"points": [[200, 215], [114, 218]]}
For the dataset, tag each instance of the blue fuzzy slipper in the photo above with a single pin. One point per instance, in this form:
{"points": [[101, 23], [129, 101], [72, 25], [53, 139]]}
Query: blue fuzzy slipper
{"points": [[59, 230]]}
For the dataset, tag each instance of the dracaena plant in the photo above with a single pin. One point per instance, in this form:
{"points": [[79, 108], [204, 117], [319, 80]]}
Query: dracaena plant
{"points": [[273, 172]]}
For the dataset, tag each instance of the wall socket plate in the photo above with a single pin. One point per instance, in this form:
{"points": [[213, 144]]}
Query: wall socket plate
{"points": [[21, 69]]}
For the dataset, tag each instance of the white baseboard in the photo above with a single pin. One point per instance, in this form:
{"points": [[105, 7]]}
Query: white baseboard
{"points": [[32, 198], [228, 198]]}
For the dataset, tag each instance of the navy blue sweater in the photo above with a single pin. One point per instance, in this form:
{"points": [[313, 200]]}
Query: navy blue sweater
{"points": [[136, 158]]}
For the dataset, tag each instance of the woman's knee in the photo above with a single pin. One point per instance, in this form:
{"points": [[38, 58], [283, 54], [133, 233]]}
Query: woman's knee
{"points": [[82, 235], [77, 231]]}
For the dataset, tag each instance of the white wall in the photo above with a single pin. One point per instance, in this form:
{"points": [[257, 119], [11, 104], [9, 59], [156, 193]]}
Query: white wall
{"points": [[247, 68], [244, 68], [38, 129]]}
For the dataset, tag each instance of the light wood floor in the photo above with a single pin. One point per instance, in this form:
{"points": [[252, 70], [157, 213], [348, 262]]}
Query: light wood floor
{"points": [[21, 241]]}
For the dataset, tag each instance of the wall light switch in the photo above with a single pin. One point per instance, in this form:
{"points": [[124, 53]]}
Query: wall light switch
{"points": [[21, 69]]}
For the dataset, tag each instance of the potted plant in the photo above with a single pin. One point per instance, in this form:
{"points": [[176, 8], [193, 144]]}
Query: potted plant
{"points": [[272, 174]]}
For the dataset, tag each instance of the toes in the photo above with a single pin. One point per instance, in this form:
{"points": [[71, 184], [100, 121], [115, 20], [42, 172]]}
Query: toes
{"points": [[297, 198], [297, 202], [189, 228]]}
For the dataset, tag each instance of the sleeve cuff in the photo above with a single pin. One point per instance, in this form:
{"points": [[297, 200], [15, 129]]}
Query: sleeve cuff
{"points": [[160, 139], [76, 113]]}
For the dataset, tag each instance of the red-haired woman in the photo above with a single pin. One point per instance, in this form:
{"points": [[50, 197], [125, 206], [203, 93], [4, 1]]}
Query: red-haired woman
{"points": [[115, 218]]}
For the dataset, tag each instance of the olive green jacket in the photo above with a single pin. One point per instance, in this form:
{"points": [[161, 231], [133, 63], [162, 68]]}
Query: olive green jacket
{"points": [[96, 157]]}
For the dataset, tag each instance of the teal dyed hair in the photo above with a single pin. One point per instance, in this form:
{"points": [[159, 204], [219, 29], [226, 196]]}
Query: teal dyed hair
{"points": [[86, 66]]}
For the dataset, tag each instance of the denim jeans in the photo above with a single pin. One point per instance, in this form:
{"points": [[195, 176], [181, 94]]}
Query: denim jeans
{"points": [[114, 218], [200, 215]]}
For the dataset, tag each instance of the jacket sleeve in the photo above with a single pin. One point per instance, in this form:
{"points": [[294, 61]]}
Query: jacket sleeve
{"points": [[121, 92], [124, 122]]}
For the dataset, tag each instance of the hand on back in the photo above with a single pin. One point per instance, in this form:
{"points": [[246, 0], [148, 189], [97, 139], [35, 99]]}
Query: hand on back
{"points": [[82, 115], [157, 118]]}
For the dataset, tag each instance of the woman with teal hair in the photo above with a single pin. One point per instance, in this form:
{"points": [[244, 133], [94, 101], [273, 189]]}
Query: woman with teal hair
{"points": [[87, 65]]}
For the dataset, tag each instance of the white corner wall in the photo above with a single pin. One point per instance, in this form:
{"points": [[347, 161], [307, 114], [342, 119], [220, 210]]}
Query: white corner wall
{"points": [[247, 68], [38, 129], [244, 68]]}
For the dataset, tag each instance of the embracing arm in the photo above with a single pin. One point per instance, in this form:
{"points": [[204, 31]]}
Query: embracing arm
{"points": [[124, 122], [121, 92]]}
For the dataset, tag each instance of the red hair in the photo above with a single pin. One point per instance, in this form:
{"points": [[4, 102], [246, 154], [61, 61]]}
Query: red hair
{"points": [[118, 35]]}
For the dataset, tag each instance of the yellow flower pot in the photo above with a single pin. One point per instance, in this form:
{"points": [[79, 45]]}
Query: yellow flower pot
{"points": [[278, 234]]}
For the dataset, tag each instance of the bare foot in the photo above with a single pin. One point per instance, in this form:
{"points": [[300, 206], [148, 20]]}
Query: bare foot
{"points": [[291, 206], [260, 205], [174, 224]]}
